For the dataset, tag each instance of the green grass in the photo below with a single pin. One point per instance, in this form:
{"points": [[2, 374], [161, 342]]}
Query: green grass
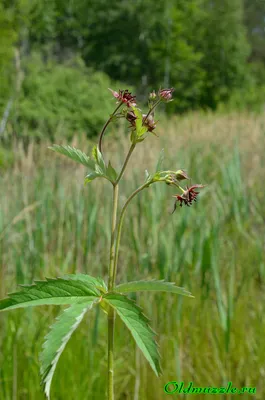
{"points": [[50, 224]]}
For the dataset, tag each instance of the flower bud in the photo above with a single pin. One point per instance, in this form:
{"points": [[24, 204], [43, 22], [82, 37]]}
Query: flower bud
{"points": [[149, 122], [181, 175], [166, 94], [152, 95]]}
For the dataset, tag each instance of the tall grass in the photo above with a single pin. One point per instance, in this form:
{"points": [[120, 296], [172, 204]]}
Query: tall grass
{"points": [[50, 224]]}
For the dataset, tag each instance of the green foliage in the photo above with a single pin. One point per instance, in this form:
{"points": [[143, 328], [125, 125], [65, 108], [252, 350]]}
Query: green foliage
{"points": [[255, 23], [225, 51], [97, 282], [57, 339], [197, 46], [62, 99], [6, 158], [137, 324], [52, 291], [100, 168], [156, 286], [75, 154]]}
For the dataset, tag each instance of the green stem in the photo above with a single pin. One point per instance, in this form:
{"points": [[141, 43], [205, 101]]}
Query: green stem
{"points": [[105, 127], [125, 163], [111, 314], [111, 321], [151, 109], [120, 228]]}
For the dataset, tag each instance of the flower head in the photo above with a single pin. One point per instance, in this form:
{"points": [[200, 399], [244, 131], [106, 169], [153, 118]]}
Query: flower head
{"points": [[188, 196], [124, 96], [166, 94]]}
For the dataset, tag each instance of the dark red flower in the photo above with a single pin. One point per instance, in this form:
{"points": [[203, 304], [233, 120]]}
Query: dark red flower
{"points": [[149, 122], [166, 94], [188, 196], [131, 117], [124, 96]]}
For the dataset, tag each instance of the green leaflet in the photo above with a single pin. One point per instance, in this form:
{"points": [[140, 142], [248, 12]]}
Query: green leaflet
{"points": [[137, 323], [98, 282], [159, 286], [111, 173], [57, 339], [93, 175], [140, 129], [52, 291], [73, 153], [100, 168]]}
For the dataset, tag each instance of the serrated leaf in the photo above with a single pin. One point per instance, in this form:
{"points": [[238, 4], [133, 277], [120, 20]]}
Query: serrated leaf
{"points": [[111, 173], [52, 291], [160, 161], [95, 153], [157, 286], [57, 339], [99, 171], [75, 154], [98, 282], [100, 160], [137, 323], [93, 175]]}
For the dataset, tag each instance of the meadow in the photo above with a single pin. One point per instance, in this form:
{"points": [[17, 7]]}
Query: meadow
{"points": [[51, 224]]}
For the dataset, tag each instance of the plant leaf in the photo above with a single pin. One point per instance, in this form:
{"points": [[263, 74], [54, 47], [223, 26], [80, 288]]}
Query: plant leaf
{"points": [[158, 286], [101, 161], [94, 153], [57, 339], [111, 173], [98, 282], [140, 129], [93, 175], [52, 291], [137, 323], [73, 153], [160, 161]]}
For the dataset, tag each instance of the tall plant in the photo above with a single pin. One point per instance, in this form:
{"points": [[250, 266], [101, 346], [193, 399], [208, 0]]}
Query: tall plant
{"points": [[83, 292]]}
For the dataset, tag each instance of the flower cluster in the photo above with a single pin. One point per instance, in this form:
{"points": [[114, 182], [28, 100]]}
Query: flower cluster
{"points": [[148, 124]]}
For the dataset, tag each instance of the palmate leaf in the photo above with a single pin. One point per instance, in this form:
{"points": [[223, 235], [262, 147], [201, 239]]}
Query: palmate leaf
{"points": [[75, 154], [52, 291], [157, 286], [57, 339], [137, 323]]}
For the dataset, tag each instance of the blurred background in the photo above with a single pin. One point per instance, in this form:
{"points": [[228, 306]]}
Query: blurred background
{"points": [[57, 61]]}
